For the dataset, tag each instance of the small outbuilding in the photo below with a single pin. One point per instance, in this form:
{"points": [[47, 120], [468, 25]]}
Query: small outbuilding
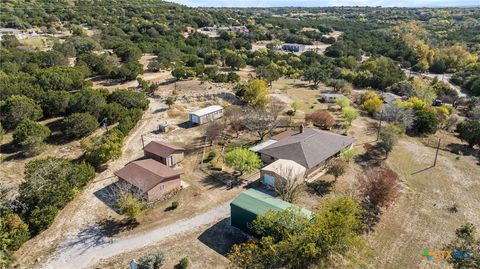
{"points": [[282, 170], [331, 97], [165, 153], [206, 114], [293, 47], [251, 203], [151, 178]]}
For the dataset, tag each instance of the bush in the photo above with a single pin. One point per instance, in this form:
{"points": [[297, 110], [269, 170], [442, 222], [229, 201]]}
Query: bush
{"points": [[380, 186], [54, 103], [183, 264], [350, 114], [243, 160], [17, 108], [114, 112], [337, 168], [49, 184], [343, 102], [131, 205], [372, 104], [388, 139], [349, 155], [87, 101], [152, 260], [175, 205], [129, 121], [129, 99], [79, 125], [31, 136], [321, 119], [425, 121], [41, 218], [211, 155], [101, 149], [469, 131]]}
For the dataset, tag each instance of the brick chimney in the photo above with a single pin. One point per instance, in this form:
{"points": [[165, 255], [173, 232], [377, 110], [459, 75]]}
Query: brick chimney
{"points": [[302, 129]]}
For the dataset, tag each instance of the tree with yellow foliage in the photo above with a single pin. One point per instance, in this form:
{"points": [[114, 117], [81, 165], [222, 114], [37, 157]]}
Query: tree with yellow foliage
{"points": [[372, 102], [256, 93]]}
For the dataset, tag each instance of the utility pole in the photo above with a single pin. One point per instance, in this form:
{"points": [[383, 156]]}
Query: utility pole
{"points": [[379, 125], [436, 153], [105, 123]]}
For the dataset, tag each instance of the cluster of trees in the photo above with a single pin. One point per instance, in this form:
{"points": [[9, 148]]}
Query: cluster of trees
{"points": [[329, 233], [49, 185]]}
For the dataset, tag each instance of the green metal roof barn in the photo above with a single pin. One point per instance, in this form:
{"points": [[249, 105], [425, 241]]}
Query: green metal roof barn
{"points": [[245, 208]]}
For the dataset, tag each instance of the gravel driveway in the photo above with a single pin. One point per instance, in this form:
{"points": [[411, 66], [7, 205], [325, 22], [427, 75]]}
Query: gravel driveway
{"points": [[89, 247]]}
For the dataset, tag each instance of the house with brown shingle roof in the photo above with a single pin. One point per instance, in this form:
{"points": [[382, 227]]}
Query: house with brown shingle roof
{"points": [[309, 147], [150, 177], [165, 153]]}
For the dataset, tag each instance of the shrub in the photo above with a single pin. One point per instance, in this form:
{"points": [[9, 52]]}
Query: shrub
{"points": [[380, 186], [129, 121], [129, 99], [17, 108], [87, 101], [114, 112], [388, 139], [175, 205], [373, 104], [49, 184], [101, 149], [469, 131], [337, 168], [54, 103], [321, 119], [152, 260], [79, 125], [425, 121], [183, 264], [243, 160], [31, 136], [131, 205], [343, 102], [41, 218], [349, 155], [350, 114]]}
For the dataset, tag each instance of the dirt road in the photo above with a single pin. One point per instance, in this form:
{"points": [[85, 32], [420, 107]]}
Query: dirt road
{"points": [[85, 249]]}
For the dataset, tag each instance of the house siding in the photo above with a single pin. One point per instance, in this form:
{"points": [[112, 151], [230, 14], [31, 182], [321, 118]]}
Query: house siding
{"points": [[164, 188], [177, 157], [273, 174], [209, 117]]}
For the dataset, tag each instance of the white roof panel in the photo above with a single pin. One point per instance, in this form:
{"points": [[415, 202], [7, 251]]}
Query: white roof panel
{"points": [[206, 110], [263, 145]]}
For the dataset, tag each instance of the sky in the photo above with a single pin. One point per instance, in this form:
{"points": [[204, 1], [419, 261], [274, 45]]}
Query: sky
{"points": [[323, 3]]}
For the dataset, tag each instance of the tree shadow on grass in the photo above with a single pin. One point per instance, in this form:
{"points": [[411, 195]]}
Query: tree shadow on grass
{"points": [[98, 234], [320, 187], [58, 137], [109, 195], [221, 237], [464, 150], [221, 179]]}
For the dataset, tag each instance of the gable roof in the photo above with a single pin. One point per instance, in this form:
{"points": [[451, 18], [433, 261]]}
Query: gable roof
{"points": [[260, 203], [161, 149], [310, 148], [207, 110], [146, 174]]}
